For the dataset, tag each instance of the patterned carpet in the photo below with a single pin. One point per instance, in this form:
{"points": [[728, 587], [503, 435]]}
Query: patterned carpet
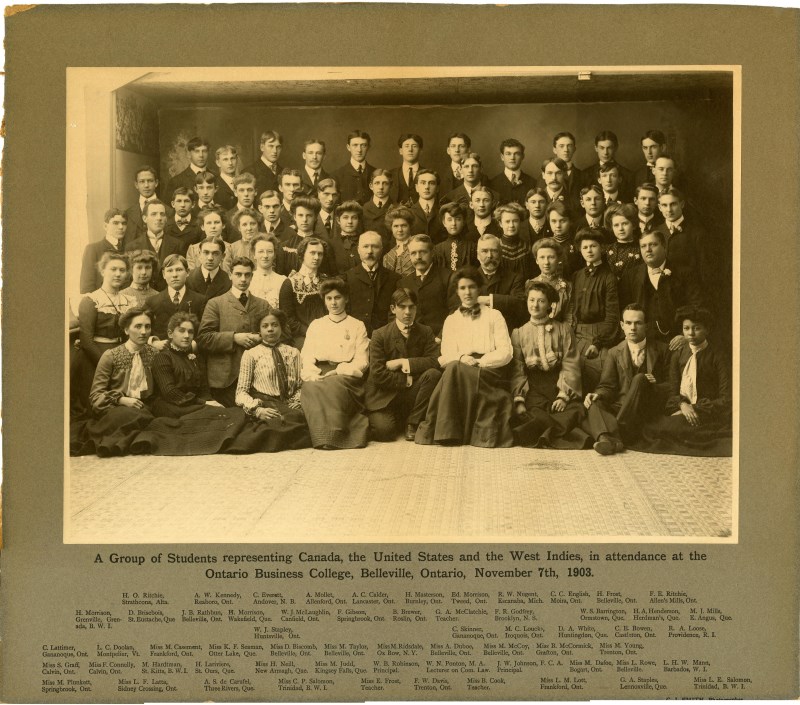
{"points": [[398, 492]]}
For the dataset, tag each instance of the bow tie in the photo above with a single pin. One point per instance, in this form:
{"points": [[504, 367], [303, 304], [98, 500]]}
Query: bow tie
{"points": [[182, 221], [472, 311], [676, 229]]}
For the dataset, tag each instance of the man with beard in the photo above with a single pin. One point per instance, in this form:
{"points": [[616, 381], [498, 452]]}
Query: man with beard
{"points": [[430, 282], [371, 284]]}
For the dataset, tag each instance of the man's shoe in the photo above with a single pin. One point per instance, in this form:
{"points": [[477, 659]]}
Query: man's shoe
{"points": [[604, 446], [411, 431]]}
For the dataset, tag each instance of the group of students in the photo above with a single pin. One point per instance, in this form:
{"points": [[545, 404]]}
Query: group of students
{"points": [[324, 310]]}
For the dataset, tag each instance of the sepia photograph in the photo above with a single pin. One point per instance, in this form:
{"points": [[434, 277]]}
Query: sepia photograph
{"points": [[393, 304]]}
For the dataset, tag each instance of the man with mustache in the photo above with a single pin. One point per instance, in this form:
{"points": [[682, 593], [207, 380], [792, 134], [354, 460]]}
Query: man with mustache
{"points": [[371, 284]]}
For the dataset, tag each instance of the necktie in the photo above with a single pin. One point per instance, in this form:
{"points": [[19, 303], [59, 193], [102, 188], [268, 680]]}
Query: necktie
{"points": [[427, 209], [380, 205], [316, 177], [514, 180], [243, 299], [328, 224], [280, 371], [675, 229], [647, 227], [360, 169], [138, 380], [472, 311], [176, 299], [404, 331], [410, 178], [372, 274], [638, 358], [457, 174], [156, 243], [208, 280]]}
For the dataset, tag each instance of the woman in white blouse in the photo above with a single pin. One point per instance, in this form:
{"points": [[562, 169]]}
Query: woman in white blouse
{"points": [[472, 402], [266, 282], [334, 358]]}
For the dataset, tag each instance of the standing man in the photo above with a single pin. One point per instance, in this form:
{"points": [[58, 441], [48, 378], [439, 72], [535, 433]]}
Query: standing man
{"points": [[564, 149], [197, 150], [512, 183], [654, 145], [269, 205], [458, 147], [290, 185], [244, 187], [153, 239], [312, 172], [328, 197], [229, 327], [228, 163], [646, 202], [175, 297], [404, 371], [353, 177], [606, 145], [179, 224], [267, 169], [145, 182], [472, 178], [371, 284], [115, 223], [426, 208], [376, 208], [404, 177]]}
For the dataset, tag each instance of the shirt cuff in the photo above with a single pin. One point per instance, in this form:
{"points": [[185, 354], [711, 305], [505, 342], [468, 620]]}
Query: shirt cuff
{"points": [[405, 366]]}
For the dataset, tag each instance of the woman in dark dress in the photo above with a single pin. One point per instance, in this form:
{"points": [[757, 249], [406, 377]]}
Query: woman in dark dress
{"points": [[698, 413], [547, 376], [622, 253], [299, 296], [593, 310], [121, 392], [472, 401], [189, 421]]}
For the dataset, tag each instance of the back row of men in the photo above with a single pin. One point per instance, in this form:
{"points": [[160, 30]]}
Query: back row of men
{"points": [[464, 171]]}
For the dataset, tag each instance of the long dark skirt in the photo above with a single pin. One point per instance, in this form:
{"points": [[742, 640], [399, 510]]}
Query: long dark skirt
{"points": [[334, 409], [541, 428], [287, 433], [209, 430], [672, 435], [470, 406], [111, 433]]}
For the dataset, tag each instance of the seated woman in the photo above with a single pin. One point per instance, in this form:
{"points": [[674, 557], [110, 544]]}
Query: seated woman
{"points": [[547, 377], [622, 220], [269, 392], [472, 402], [266, 282], [179, 373], [121, 392], [143, 264], [98, 318], [549, 255], [593, 310], [189, 421], [334, 360], [698, 411], [300, 297]]}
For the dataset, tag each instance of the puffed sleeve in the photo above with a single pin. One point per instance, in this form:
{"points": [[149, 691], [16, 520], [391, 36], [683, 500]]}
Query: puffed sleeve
{"points": [[449, 345], [308, 355], [360, 362], [569, 378], [246, 371], [501, 342], [100, 396]]}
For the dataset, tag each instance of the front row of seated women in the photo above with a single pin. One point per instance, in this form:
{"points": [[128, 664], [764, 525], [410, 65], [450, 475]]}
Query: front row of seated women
{"points": [[482, 387]]}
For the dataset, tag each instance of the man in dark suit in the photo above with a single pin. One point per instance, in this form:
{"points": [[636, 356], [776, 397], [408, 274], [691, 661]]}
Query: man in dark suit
{"points": [[535, 227], [430, 282], [564, 146], [482, 202], [155, 240], [290, 184], [606, 145], [687, 239], [209, 279], [646, 201], [269, 205], [553, 170], [176, 297], [512, 183], [228, 163], [371, 284], [473, 178], [244, 186], [179, 225], [404, 176], [328, 197], [114, 241], [229, 326], [654, 145], [503, 288], [404, 371], [312, 172], [659, 289], [426, 208], [614, 191], [459, 146], [197, 149], [633, 385], [266, 169], [353, 177], [146, 182], [376, 208]]}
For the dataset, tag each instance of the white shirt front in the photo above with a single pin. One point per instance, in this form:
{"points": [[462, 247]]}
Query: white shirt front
{"points": [[180, 292], [487, 335]]}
